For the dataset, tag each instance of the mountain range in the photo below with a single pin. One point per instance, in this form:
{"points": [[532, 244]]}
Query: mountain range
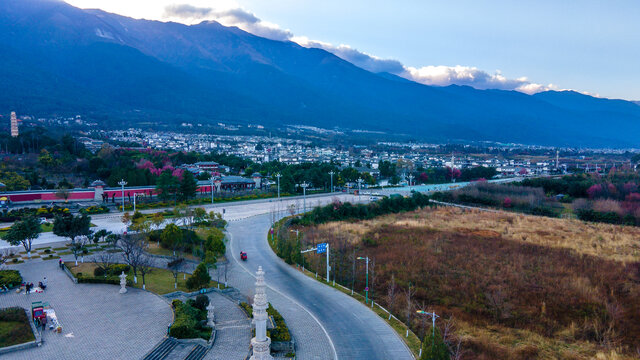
{"points": [[56, 58]]}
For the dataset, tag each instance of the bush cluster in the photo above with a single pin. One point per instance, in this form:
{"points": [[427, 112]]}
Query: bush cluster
{"points": [[190, 320], [44, 211], [102, 209], [281, 331], [112, 270], [10, 278]]}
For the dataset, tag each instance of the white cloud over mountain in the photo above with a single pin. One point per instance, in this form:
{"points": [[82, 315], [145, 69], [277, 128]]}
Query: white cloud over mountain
{"points": [[429, 75]]}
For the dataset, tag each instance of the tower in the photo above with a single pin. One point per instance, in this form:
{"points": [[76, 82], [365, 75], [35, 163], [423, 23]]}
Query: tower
{"points": [[261, 343], [14, 124], [557, 159]]}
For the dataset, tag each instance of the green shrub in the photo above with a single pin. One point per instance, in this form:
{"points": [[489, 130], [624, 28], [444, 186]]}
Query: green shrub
{"points": [[100, 280], [117, 269], [10, 278], [98, 271], [47, 251], [201, 302], [188, 321], [200, 278]]}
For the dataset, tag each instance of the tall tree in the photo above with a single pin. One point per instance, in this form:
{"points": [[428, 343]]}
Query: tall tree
{"points": [[167, 185], [24, 232], [76, 228], [200, 278], [188, 186]]}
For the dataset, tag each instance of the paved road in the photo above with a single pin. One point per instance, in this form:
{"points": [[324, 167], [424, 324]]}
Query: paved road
{"points": [[233, 211], [348, 330]]}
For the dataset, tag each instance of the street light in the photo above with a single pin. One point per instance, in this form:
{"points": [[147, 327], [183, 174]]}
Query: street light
{"points": [[331, 173], [366, 289], [304, 186], [360, 181], [211, 179], [122, 183], [135, 195], [433, 318], [278, 176]]}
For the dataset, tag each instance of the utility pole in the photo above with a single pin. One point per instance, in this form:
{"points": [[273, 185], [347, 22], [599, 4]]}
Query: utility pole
{"points": [[331, 174], [366, 289], [304, 186], [278, 176], [122, 183]]}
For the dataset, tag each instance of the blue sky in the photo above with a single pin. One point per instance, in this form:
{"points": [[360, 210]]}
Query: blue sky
{"points": [[589, 46]]}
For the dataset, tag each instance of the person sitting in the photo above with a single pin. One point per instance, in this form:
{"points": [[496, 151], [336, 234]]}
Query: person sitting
{"points": [[41, 285]]}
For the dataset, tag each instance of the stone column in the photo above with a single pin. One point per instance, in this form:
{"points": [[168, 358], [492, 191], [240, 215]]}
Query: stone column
{"points": [[261, 343], [123, 283]]}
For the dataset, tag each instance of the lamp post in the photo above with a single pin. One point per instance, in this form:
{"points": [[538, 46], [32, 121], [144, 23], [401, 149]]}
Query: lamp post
{"points": [[278, 176], [135, 195], [433, 318], [331, 173], [304, 186], [366, 289], [122, 183], [211, 179]]}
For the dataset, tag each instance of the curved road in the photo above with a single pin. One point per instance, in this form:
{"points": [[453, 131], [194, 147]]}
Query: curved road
{"points": [[344, 329]]}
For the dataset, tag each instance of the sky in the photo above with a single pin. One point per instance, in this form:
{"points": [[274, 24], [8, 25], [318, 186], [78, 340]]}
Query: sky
{"points": [[530, 46]]}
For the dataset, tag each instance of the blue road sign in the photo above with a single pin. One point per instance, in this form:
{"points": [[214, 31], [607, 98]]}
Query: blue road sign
{"points": [[322, 248]]}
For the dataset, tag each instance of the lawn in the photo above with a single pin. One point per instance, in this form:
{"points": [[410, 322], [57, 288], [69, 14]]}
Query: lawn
{"points": [[46, 227], [518, 286], [154, 249], [14, 327], [159, 281]]}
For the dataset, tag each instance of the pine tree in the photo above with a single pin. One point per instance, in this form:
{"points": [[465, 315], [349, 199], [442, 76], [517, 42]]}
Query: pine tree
{"points": [[433, 347], [200, 277], [188, 186]]}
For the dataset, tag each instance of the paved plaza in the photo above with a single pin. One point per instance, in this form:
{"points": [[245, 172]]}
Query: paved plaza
{"points": [[97, 321]]}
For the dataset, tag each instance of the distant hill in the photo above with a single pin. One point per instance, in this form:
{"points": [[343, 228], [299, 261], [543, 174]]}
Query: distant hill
{"points": [[57, 58]]}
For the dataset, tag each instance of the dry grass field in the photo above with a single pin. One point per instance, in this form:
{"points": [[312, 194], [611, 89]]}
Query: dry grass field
{"points": [[517, 286]]}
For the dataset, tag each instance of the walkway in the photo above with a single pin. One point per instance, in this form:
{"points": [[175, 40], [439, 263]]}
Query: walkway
{"points": [[97, 321]]}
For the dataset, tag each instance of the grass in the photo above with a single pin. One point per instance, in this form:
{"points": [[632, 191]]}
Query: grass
{"points": [[518, 286], [14, 327], [154, 249], [612, 242], [159, 281], [61, 248]]}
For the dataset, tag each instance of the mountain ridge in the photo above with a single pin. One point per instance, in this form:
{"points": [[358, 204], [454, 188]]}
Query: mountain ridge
{"points": [[137, 70]]}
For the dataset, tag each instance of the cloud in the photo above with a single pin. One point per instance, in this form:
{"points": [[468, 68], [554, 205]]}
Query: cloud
{"points": [[471, 76], [238, 17], [186, 11], [428, 75], [368, 62]]}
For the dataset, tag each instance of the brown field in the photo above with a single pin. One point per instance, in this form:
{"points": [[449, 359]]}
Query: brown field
{"points": [[517, 286]]}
